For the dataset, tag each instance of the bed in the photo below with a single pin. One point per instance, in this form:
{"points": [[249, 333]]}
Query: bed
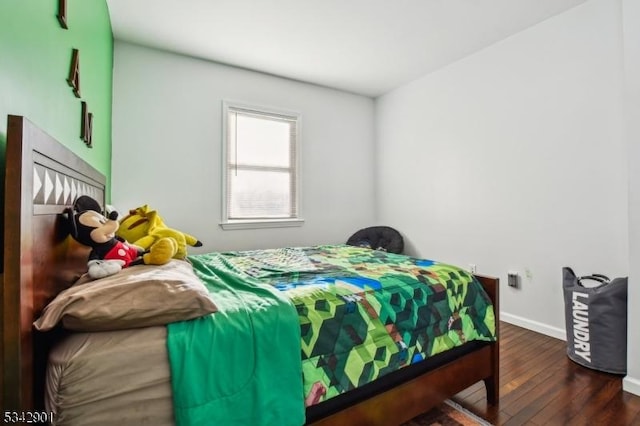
{"points": [[42, 179]]}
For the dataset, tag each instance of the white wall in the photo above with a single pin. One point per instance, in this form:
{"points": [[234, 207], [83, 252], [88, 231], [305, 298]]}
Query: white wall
{"points": [[514, 159], [631, 34], [167, 147]]}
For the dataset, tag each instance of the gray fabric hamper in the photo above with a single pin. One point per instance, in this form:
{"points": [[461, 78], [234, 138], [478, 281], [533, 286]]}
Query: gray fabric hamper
{"points": [[596, 321]]}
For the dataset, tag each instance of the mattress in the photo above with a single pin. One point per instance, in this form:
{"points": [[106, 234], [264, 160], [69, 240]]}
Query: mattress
{"points": [[110, 378], [130, 383], [363, 315]]}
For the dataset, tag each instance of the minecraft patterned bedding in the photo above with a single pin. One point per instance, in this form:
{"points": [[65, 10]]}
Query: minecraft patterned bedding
{"points": [[365, 313]]}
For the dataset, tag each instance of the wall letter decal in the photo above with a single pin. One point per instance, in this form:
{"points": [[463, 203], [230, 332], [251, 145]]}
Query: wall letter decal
{"points": [[86, 128], [74, 73], [62, 13]]}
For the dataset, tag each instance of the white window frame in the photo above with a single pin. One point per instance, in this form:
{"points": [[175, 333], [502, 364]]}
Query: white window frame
{"points": [[230, 224]]}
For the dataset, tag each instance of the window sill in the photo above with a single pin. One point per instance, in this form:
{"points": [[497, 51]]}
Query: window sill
{"points": [[256, 224]]}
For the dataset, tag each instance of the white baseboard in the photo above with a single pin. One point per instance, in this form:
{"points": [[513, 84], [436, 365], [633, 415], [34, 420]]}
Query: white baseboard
{"points": [[631, 385], [538, 327]]}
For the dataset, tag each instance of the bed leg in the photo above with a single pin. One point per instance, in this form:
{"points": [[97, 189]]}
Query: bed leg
{"points": [[491, 385]]}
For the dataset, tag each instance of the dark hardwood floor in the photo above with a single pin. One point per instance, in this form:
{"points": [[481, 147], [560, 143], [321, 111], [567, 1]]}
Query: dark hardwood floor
{"points": [[540, 385]]}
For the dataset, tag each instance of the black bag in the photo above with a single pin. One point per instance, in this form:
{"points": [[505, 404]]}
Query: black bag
{"points": [[596, 321]]}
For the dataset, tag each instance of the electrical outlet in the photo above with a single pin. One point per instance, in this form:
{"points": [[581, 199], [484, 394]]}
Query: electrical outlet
{"points": [[513, 279], [472, 268]]}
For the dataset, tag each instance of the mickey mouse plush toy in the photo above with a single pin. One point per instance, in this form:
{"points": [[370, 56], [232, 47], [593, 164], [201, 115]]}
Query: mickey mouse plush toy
{"points": [[89, 227]]}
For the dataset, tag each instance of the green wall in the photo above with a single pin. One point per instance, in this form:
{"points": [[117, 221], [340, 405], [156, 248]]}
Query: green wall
{"points": [[35, 58]]}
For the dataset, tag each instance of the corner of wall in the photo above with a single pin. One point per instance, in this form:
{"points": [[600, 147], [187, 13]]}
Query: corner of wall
{"points": [[3, 145]]}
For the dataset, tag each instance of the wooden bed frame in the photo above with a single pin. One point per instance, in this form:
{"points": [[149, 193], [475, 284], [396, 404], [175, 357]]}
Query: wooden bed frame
{"points": [[42, 178]]}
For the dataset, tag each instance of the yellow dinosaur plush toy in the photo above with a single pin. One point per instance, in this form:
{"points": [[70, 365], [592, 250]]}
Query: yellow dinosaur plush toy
{"points": [[145, 228]]}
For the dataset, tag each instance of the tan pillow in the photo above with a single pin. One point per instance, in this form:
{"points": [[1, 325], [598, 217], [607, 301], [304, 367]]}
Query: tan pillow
{"points": [[137, 296]]}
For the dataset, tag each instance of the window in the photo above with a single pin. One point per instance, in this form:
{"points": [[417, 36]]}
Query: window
{"points": [[260, 167]]}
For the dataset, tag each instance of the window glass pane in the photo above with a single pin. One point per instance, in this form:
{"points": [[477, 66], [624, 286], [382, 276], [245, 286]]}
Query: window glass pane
{"points": [[259, 194], [259, 142]]}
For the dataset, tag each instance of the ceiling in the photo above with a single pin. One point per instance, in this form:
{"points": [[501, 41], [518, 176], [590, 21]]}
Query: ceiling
{"points": [[366, 47]]}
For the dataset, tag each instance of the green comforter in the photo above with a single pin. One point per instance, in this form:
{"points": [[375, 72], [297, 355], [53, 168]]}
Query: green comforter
{"points": [[298, 326], [365, 313], [253, 344]]}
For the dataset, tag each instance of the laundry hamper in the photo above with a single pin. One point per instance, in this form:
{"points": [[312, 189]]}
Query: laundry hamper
{"points": [[596, 321]]}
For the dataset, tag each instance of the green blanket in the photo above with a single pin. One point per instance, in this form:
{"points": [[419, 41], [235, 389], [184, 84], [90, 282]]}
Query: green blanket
{"points": [[298, 326], [365, 313], [253, 346]]}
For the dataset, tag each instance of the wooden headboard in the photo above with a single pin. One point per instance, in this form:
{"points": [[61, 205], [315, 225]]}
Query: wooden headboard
{"points": [[42, 178]]}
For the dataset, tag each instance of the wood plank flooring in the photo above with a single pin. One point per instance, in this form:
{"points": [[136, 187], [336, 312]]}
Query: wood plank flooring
{"points": [[540, 385]]}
